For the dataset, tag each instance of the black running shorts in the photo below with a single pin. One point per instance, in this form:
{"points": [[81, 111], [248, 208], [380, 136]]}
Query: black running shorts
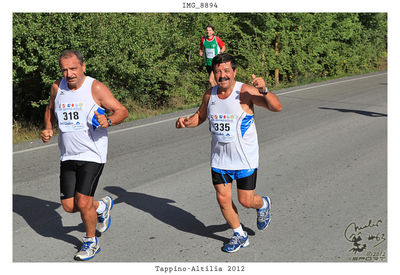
{"points": [[209, 69], [79, 176]]}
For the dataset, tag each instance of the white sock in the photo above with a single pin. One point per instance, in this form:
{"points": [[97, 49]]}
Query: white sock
{"points": [[265, 205], [239, 230], [90, 239], [101, 208]]}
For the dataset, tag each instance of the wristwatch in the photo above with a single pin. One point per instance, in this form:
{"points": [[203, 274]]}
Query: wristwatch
{"points": [[265, 92], [109, 122]]}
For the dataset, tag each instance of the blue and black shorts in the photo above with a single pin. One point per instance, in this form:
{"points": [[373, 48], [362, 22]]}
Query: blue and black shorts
{"points": [[245, 179]]}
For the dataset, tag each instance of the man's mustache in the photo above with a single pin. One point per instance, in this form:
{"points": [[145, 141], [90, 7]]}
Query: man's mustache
{"points": [[223, 79]]}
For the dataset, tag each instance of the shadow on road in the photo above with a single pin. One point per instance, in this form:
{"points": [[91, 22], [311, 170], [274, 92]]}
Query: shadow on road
{"points": [[161, 209], [41, 216], [365, 113]]}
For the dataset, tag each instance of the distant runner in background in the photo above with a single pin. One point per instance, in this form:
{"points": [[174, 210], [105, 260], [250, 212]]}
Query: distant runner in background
{"points": [[210, 46]]}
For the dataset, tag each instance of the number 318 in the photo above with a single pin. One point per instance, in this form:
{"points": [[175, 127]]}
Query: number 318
{"points": [[71, 115]]}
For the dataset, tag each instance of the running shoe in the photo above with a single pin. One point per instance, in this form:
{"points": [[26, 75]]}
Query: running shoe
{"points": [[264, 215], [104, 219], [88, 250], [236, 243]]}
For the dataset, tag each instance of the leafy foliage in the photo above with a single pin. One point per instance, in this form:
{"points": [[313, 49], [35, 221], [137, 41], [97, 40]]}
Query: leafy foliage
{"points": [[152, 58]]}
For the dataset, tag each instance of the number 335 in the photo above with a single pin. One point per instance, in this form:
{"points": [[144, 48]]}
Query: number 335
{"points": [[222, 127]]}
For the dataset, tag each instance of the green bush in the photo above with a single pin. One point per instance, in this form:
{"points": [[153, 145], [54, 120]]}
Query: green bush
{"points": [[152, 58]]}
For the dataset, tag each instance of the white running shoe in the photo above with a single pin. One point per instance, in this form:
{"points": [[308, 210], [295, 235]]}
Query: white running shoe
{"points": [[236, 243], [104, 219], [88, 250]]}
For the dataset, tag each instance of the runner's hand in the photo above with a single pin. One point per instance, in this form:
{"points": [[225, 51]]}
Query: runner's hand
{"points": [[258, 82], [182, 122], [101, 119], [46, 135]]}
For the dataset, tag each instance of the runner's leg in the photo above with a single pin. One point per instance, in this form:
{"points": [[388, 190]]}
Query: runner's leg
{"points": [[88, 213], [228, 208], [248, 199]]}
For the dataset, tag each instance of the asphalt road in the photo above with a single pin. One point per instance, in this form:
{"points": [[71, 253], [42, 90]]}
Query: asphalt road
{"points": [[323, 162]]}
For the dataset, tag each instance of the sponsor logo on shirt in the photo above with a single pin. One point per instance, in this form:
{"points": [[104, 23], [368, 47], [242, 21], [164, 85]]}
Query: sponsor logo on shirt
{"points": [[75, 106]]}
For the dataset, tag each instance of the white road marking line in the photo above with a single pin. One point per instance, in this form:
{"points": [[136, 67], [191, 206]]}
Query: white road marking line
{"points": [[328, 84]]}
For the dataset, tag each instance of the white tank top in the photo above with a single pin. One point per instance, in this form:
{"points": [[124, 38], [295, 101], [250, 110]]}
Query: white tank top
{"points": [[234, 144], [79, 139]]}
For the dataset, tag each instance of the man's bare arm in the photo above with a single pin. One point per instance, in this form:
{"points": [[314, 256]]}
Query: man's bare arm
{"points": [[104, 98], [197, 118]]}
